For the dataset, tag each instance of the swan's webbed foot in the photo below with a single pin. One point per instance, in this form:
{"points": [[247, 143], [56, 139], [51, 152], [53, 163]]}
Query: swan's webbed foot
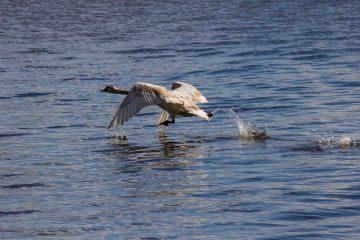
{"points": [[166, 123]]}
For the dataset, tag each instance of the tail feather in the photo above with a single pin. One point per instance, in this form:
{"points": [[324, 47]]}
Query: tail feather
{"points": [[200, 113]]}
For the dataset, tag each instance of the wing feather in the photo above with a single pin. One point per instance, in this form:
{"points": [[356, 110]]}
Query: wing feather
{"points": [[188, 91], [139, 96]]}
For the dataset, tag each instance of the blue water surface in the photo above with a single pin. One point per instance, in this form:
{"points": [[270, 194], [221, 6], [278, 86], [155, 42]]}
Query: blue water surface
{"points": [[290, 66]]}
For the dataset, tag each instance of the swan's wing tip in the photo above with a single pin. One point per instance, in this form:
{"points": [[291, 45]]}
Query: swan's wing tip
{"points": [[114, 123]]}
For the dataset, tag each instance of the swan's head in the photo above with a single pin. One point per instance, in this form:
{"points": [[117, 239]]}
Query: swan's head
{"points": [[108, 88]]}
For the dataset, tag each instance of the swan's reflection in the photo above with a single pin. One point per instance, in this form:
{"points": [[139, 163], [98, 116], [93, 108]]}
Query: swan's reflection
{"points": [[167, 170], [171, 148], [167, 154], [168, 148]]}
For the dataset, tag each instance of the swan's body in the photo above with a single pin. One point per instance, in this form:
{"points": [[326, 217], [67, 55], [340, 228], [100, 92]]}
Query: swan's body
{"points": [[180, 100]]}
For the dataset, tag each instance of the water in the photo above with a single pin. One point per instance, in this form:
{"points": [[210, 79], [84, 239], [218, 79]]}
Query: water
{"points": [[291, 67]]}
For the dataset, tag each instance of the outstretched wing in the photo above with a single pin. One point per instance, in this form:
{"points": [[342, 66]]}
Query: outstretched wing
{"points": [[188, 91], [139, 96]]}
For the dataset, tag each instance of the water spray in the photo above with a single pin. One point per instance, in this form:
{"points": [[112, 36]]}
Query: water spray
{"points": [[246, 129]]}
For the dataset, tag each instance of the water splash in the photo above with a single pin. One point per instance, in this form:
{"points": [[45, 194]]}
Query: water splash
{"points": [[346, 141], [246, 129], [343, 141], [122, 137], [330, 139]]}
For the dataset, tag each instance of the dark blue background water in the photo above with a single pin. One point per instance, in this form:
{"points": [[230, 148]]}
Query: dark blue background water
{"points": [[292, 66]]}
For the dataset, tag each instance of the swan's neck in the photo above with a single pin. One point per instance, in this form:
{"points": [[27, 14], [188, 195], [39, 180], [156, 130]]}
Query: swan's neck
{"points": [[113, 89]]}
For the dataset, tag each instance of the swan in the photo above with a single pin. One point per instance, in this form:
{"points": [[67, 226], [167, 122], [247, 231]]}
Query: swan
{"points": [[180, 100]]}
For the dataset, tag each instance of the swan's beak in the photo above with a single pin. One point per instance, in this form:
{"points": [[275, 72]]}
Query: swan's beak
{"points": [[210, 115]]}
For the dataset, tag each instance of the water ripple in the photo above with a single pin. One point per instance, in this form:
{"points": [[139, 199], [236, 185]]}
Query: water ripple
{"points": [[6, 213], [23, 185], [33, 94], [287, 67]]}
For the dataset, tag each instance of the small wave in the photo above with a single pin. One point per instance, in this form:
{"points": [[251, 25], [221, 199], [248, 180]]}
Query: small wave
{"points": [[307, 148], [44, 67], [5, 213], [66, 126], [300, 216], [312, 57], [38, 51], [143, 51], [13, 134], [160, 56], [68, 58], [246, 129], [225, 43], [33, 94], [24, 185], [74, 100], [225, 71], [195, 50], [207, 54]]}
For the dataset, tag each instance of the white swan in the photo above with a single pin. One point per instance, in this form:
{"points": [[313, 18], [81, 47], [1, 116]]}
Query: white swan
{"points": [[180, 100]]}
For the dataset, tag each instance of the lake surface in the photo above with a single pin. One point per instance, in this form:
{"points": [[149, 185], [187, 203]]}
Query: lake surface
{"points": [[290, 66]]}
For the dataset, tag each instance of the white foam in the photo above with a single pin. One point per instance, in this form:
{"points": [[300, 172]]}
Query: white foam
{"points": [[345, 141]]}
